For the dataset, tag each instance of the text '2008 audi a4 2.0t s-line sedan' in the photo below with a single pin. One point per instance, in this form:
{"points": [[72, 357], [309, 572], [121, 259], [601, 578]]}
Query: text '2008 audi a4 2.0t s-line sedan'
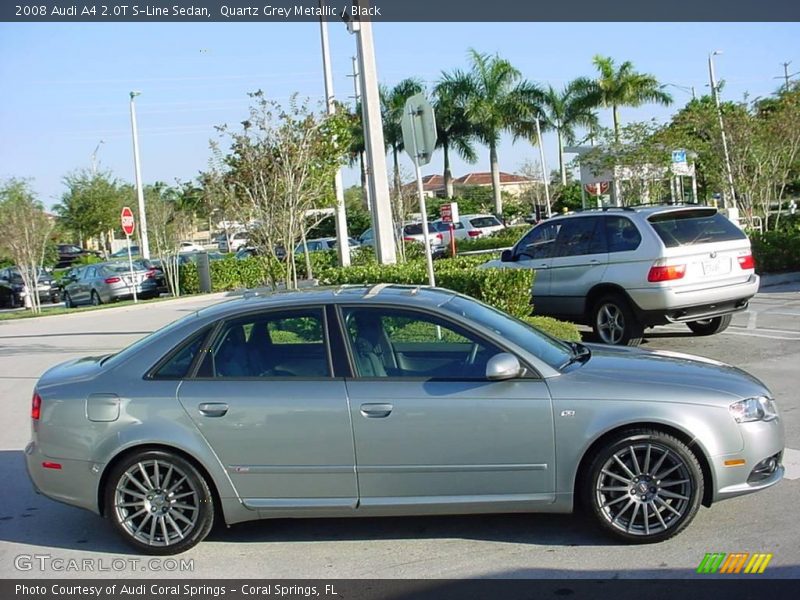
{"points": [[392, 400]]}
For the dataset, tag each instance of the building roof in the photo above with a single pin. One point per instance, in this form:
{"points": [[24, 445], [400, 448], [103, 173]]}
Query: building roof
{"points": [[485, 178]]}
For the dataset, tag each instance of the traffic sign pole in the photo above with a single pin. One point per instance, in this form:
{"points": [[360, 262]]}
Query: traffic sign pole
{"points": [[128, 227], [130, 267]]}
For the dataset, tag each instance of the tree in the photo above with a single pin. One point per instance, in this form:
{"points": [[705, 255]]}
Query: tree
{"points": [[282, 163], [623, 86], [393, 101], [562, 111], [167, 224], [90, 208], [453, 129], [496, 99], [24, 233]]}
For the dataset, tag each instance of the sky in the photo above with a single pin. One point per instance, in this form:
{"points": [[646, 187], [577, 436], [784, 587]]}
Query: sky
{"points": [[65, 86]]}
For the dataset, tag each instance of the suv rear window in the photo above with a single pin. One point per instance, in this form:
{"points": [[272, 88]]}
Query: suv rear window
{"points": [[485, 222], [697, 226]]}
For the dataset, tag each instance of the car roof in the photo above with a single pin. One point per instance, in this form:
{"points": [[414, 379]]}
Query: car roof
{"points": [[380, 293]]}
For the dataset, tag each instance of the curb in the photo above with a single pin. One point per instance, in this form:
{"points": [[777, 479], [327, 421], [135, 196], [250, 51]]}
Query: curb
{"points": [[772, 279]]}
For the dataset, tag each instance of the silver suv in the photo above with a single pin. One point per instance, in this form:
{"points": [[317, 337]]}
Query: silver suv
{"points": [[621, 270]]}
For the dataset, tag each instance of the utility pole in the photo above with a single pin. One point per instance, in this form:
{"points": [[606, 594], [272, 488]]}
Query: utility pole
{"points": [[715, 92], [378, 180], [94, 157], [786, 75], [545, 178], [361, 158], [343, 241], [145, 249]]}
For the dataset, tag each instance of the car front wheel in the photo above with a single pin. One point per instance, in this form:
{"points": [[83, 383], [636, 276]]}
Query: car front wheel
{"points": [[96, 299], [159, 502], [614, 323], [644, 486], [710, 326]]}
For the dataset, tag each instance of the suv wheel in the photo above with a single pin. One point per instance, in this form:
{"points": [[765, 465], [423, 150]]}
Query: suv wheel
{"points": [[710, 326], [614, 323]]}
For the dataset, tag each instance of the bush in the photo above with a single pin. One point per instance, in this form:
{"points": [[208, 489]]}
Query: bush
{"points": [[776, 251], [506, 289], [563, 330], [230, 273]]}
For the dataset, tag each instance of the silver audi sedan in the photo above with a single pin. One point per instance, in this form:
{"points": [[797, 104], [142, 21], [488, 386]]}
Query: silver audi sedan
{"points": [[392, 400]]}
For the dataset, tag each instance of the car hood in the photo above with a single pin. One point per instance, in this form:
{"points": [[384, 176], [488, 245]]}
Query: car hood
{"points": [[78, 369], [636, 374]]}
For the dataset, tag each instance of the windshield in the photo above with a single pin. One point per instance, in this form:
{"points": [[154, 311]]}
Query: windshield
{"points": [[485, 222], [550, 350]]}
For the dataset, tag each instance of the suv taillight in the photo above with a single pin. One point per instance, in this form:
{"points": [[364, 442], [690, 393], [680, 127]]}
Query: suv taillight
{"points": [[36, 406], [747, 262], [666, 273], [474, 233]]}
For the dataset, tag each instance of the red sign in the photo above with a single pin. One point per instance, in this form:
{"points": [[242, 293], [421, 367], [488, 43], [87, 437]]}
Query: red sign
{"points": [[448, 212], [128, 223], [597, 189]]}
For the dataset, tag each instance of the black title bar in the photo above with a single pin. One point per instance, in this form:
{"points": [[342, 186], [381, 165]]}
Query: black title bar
{"points": [[282, 11]]}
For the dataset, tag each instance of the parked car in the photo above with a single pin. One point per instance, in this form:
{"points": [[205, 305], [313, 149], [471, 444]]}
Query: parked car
{"points": [[410, 232], [480, 225], [69, 253], [13, 289], [420, 400], [111, 281], [444, 228], [238, 240], [190, 247], [249, 251], [623, 270], [123, 252], [323, 244]]}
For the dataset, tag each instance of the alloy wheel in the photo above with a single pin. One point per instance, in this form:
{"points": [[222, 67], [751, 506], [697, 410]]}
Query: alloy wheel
{"points": [[644, 489], [157, 503], [610, 323]]}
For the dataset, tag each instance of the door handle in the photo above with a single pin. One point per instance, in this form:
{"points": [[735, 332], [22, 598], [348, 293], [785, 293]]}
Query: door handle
{"points": [[376, 411], [213, 409], [594, 261], [542, 266]]}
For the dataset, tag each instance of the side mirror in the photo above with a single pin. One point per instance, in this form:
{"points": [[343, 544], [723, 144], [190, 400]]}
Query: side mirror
{"points": [[503, 366], [507, 256]]}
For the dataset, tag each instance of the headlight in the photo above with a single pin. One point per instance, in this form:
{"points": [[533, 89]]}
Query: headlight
{"points": [[760, 408]]}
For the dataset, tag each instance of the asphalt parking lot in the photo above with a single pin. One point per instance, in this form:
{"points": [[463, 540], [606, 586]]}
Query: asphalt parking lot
{"points": [[765, 341]]}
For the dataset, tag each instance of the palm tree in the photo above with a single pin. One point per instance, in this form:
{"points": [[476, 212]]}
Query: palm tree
{"points": [[393, 102], [615, 87], [496, 99], [453, 128], [562, 111]]}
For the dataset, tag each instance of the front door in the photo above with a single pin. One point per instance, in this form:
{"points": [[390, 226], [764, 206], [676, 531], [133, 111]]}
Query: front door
{"points": [[266, 401], [431, 432]]}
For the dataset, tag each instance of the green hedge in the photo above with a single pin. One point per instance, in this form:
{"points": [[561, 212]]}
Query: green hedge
{"points": [[505, 238], [776, 251], [507, 289], [563, 330]]}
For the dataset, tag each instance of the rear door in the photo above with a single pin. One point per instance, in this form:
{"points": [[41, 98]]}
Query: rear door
{"points": [[265, 399], [579, 261]]}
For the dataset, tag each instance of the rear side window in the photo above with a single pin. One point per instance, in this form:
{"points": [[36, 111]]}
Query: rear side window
{"points": [[580, 236], [485, 222], [178, 363], [690, 227], [621, 234]]}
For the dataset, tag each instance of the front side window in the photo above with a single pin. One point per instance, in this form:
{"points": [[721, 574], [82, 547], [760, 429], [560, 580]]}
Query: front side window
{"points": [[387, 342], [284, 343], [539, 242]]}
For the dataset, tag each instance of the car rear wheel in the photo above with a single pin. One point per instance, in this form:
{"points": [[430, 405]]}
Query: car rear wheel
{"points": [[96, 299], [159, 502], [710, 326], [644, 486], [614, 323]]}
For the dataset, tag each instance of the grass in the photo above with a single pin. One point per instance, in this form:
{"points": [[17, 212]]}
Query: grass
{"points": [[60, 310]]}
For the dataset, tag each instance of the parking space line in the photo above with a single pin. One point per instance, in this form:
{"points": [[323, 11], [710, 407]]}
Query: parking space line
{"points": [[791, 462]]}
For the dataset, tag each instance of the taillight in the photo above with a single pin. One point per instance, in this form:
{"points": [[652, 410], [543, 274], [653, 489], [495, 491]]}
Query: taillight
{"points": [[409, 239], [439, 236], [747, 262], [474, 232], [666, 273], [112, 280], [36, 406], [151, 274]]}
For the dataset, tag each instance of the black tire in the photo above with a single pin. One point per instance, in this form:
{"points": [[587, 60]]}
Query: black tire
{"points": [[663, 492], [68, 303], [145, 518], [96, 299], [710, 326], [13, 302], [614, 322]]}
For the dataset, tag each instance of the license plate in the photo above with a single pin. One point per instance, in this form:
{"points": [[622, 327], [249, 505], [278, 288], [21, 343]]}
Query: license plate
{"points": [[719, 266]]}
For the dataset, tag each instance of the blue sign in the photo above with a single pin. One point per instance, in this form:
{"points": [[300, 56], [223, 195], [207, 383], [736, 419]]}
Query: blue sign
{"points": [[679, 156]]}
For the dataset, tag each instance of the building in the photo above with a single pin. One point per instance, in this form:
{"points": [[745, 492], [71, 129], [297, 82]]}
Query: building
{"points": [[510, 183]]}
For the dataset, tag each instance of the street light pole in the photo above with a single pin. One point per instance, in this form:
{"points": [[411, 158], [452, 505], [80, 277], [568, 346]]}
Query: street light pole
{"points": [[544, 167], [139, 190], [343, 244], [94, 157], [377, 179], [715, 92]]}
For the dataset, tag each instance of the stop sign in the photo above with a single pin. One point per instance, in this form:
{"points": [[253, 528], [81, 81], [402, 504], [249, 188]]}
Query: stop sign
{"points": [[597, 189], [128, 224]]}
